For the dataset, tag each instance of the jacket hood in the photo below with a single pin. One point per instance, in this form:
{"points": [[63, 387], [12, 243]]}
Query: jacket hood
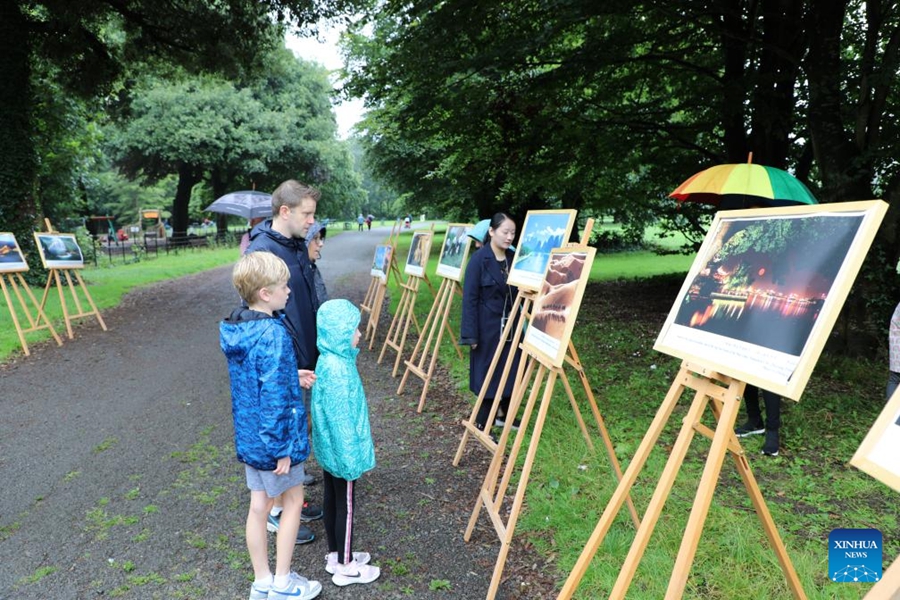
{"points": [[336, 322], [242, 330]]}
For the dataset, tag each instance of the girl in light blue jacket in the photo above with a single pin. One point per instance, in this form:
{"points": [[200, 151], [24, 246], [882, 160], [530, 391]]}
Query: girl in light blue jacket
{"points": [[342, 438]]}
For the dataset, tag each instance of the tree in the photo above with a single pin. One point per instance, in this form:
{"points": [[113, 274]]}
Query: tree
{"points": [[277, 125], [91, 43], [609, 105]]}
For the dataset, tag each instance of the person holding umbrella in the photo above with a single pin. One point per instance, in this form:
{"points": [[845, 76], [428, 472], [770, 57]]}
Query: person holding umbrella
{"points": [[743, 186]]}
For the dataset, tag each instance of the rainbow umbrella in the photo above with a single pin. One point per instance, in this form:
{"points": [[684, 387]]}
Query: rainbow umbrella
{"points": [[744, 185]]}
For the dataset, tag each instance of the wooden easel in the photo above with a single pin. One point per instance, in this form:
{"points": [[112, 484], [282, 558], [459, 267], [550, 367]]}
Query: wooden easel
{"points": [[492, 494], [435, 324], [374, 300], [524, 301], [889, 586], [722, 394], [396, 337], [17, 283], [71, 276]]}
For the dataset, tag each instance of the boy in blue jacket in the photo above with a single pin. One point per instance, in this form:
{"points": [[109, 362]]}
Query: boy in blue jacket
{"points": [[342, 437], [269, 420]]}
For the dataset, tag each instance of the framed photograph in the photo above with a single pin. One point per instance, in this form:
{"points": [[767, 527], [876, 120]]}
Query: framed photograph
{"points": [[556, 307], [418, 254], [765, 290], [382, 262], [454, 251], [879, 453], [542, 231], [11, 258], [59, 251]]}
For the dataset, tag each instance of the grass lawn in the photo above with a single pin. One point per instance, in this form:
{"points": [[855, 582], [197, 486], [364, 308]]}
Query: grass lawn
{"points": [[809, 489], [107, 285]]}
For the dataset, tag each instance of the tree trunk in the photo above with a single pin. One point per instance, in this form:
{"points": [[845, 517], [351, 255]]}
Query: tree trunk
{"points": [[187, 179], [18, 163]]}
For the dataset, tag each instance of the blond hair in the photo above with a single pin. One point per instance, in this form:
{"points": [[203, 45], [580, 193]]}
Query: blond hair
{"points": [[257, 270], [291, 193]]}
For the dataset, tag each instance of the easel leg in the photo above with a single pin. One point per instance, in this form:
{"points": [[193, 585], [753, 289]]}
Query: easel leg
{"points": [[604, 434], [493, 473], [625, 484], [62, 301], [40, 310], [523, 482], [12, 313], [765, 517], [660, 495], [889, 586], [705, 489], [90, 300]]}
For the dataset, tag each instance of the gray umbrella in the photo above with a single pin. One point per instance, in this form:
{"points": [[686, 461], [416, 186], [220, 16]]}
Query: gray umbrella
{"points": [[247, 204]]}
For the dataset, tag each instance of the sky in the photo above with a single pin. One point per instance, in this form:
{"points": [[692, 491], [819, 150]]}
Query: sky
{"points": [[326, 53]]}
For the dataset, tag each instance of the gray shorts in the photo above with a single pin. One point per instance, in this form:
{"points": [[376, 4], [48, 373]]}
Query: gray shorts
{"points": [[270, 483]]}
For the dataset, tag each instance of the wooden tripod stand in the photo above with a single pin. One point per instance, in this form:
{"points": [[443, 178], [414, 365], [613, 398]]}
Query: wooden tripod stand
{"points": [[435, 324], [722, 394], [69, 274], [15, 283], [492, 494], [374, 300], [406, 314]]}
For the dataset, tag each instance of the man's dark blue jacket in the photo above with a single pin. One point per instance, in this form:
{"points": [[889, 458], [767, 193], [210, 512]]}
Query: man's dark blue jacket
{"points": [[302, 304]]}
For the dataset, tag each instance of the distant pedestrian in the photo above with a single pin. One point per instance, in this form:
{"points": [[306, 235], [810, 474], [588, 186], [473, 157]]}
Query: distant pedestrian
{"points": [[369, 222], [267, 410], [342, 437], [360, 220]]}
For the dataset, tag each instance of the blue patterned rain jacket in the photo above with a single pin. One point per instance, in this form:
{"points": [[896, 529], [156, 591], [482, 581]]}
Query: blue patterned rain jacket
{"points": [[342, 437], [269, 416]]}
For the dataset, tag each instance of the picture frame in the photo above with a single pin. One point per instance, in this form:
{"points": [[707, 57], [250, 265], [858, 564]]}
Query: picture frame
{"points": [[12, 260], [419, 249], [765, 289], [59, 250], [454, 251], [879, 453], [381, 264], [556, 307], [542, 231]]}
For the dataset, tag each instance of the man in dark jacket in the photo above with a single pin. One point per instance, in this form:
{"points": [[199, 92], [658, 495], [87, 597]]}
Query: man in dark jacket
{"points": [[284, 235]]}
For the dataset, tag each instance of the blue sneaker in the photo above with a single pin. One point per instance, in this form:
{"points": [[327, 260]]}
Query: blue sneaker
{"points": [[258, 593], [304, 533], [298, 588]]}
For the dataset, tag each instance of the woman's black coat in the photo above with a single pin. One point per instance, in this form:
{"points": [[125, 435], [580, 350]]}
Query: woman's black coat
{"points": [[486, 299]]}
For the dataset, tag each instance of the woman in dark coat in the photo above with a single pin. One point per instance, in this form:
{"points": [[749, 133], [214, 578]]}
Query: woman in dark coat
{"points": [[487, 302]]}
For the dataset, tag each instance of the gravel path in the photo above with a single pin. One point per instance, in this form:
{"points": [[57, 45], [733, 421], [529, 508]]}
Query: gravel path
{"points": [[119, 477]]}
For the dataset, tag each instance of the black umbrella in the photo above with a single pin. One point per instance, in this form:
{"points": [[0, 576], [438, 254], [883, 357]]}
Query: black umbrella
{"points": [[247, 204]]}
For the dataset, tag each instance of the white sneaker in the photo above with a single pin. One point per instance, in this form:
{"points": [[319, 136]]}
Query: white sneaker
{"points": [[331, 561], [298, 588], [353, 572]]}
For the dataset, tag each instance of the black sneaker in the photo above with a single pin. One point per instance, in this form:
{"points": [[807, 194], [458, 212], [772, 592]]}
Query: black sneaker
{"points": [[770, 446], [749, 428], [480, 427], [304, 533], [311, 512]]}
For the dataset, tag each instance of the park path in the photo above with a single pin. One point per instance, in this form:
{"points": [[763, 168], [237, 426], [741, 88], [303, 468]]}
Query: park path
{"points": [[119, 477]]}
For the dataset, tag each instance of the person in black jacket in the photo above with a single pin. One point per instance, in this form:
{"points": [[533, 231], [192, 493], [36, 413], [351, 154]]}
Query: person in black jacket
{"points": [[487, 303], [284, 235]]}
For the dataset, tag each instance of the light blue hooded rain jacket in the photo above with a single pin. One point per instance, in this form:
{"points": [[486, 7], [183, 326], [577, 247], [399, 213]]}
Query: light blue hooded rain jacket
{"points": [[342, 438]]}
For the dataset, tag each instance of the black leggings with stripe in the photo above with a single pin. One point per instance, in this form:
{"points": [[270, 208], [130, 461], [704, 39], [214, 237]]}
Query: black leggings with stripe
{"points": [[340, 496]]}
